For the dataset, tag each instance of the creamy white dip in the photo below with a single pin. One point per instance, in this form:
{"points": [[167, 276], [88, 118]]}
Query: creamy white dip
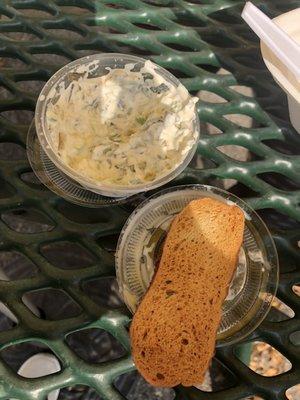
{"points": [[123, 128]]}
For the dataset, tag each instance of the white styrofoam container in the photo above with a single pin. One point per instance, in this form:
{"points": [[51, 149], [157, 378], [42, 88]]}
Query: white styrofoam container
{"points": [[290, 23]]}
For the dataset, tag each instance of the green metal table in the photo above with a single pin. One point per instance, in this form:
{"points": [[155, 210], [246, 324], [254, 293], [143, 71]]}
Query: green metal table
{"points": [[63, 249]]}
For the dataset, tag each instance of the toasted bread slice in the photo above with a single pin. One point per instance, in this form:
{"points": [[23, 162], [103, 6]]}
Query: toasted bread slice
{"points": [[173, 332]]}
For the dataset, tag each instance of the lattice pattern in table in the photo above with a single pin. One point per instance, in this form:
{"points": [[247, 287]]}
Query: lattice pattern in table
{"points": [[192, 40]]}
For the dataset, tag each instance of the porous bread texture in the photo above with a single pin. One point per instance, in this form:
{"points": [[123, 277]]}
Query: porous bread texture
{"points": [[173, 332]]}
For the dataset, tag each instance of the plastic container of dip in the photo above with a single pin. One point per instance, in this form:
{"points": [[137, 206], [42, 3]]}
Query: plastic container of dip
{"points": [[103, 62], [288, 22], [254, 283]]}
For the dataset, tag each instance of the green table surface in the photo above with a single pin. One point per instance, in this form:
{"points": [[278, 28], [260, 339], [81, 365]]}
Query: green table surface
{"points": [[247, 146]]}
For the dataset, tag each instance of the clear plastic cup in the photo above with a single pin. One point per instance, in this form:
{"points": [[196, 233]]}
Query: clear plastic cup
{"points": [[66, 74], [254, 283]]}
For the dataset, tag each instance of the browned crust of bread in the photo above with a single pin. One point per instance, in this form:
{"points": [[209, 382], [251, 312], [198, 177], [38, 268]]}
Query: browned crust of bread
{"points": [[173, 332]]}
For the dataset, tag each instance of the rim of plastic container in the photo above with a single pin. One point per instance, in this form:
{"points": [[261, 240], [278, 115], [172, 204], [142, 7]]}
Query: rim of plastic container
{"points": [[261, 228], [113, 190]]}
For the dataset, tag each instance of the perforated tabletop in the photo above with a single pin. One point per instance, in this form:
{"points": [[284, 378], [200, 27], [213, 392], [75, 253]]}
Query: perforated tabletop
{"points": [[61, 256]]}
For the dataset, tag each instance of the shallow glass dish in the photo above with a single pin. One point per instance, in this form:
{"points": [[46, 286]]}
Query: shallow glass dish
{"points": [[256, 278], [66, 75]]}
